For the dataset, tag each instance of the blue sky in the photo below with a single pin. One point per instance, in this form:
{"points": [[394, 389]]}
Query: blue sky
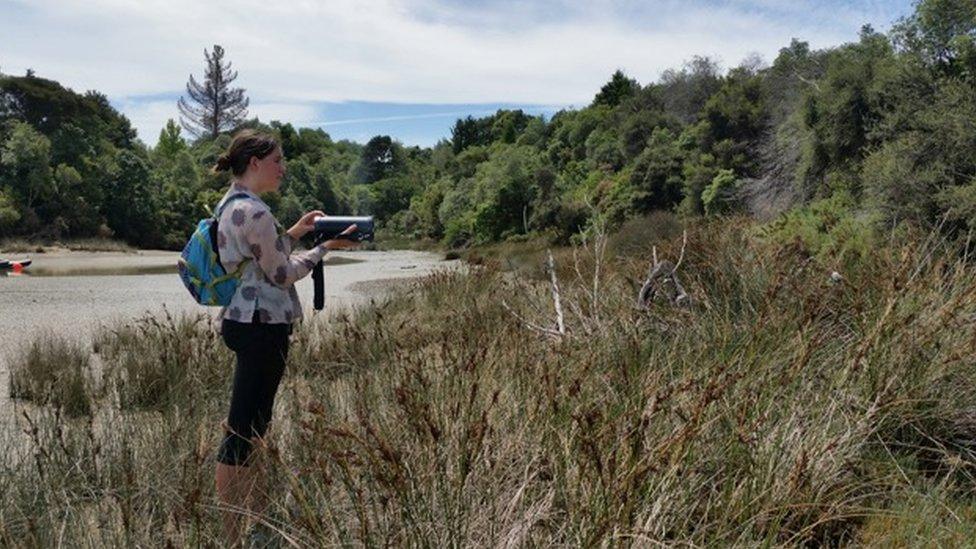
{"points": [[407, 68]]}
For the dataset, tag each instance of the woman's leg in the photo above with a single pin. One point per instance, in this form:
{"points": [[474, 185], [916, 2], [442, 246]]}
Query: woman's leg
{"points": [[274, 370], [260, 364], [234, 482], [234, 478]]}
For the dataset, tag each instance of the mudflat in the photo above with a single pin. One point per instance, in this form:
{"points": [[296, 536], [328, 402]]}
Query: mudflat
{"points": [[72, 294]]}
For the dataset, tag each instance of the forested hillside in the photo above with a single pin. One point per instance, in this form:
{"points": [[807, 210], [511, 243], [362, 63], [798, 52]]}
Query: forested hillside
{"points": [[870, 135]]}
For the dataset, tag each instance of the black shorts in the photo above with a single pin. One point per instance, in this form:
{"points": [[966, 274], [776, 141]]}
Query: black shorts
{"points": [[261, 351]]}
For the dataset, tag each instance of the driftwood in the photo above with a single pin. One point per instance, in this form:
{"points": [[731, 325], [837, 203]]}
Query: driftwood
{"points": [[662, 282], [559, 330], [577, 312]]}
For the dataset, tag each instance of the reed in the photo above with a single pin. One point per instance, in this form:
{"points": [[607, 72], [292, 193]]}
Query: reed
{"points": [[783, 407], [160, 361], [56, 371]]}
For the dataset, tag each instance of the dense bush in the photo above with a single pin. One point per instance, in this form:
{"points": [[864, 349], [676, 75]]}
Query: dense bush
{"points": [[831, 228]]}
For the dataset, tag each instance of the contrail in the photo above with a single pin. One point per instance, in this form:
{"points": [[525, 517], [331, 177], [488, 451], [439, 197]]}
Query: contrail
{"points": [[418, 116]]}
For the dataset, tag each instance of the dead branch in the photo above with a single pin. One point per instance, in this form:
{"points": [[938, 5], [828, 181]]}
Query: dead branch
{"points": [[535, 327], [684, 244], [599, 251], [555, 295], [662, 280]]}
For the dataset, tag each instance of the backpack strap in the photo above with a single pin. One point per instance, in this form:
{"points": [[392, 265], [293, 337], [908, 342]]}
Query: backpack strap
{"points": [[213, 235], [231, 198]]}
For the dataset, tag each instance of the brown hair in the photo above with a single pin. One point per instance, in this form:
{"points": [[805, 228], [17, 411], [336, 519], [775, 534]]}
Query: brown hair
{"points": [[246, 144]]}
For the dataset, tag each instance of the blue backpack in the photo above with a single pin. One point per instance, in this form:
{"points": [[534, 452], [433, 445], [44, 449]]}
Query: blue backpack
{"points": [[200, 267]]}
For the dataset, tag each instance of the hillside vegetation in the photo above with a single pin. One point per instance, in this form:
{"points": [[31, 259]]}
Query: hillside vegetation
{"points": [[875, 133]]}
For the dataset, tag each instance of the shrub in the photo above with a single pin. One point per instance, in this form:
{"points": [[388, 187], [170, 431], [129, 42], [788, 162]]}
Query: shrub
{"points": [[830, 229], [719, 196], [780, 409]]}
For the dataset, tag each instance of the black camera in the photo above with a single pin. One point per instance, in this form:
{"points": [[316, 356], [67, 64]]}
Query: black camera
{"points": [[329, 228]]}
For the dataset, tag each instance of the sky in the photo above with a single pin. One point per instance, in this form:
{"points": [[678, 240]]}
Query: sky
{"points": [[405, 68]]}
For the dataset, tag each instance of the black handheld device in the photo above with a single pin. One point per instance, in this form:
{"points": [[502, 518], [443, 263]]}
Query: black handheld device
{"points": [[329, 228]]}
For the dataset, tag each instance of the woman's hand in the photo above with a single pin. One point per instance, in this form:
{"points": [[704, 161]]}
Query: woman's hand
{"points": [[305, 224], [342, 243]]}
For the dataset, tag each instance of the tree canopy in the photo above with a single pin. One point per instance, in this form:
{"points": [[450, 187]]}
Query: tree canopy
{"points": [[880, 128]]}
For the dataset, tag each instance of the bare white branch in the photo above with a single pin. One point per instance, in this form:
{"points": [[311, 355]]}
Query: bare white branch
{"points": [[681, 257], [541, 329], [555, 294]]}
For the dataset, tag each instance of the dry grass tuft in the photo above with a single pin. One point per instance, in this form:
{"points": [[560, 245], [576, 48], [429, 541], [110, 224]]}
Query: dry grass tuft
{"points": [[784, 407]]}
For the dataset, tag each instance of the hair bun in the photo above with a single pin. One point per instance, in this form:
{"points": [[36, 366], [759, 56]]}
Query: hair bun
{"points": [[223, 163]]}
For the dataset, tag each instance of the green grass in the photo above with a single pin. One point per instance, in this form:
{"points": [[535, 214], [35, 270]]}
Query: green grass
{"points": [[780, 409]]}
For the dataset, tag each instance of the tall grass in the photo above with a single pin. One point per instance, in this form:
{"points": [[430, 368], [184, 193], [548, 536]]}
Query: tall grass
{"points": [[782, 408], [53, 370], [157, 362]]}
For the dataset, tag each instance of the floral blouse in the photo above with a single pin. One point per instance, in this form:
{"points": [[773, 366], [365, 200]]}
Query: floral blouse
{"points": [[246, 231]]}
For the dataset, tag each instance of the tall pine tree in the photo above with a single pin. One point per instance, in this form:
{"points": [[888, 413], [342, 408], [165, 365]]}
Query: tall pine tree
{"points": [[213, 106]]}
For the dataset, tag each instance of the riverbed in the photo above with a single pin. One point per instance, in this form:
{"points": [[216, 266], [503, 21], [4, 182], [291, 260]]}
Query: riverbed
{"points": [[72, 294]]}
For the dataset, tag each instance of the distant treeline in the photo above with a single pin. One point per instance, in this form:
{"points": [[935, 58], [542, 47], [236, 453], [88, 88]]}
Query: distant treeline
{"points": [[880, 132]]}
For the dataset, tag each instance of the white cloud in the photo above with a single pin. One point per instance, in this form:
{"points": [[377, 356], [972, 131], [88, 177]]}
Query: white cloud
{"points": [[290, 54], [382, 51]]}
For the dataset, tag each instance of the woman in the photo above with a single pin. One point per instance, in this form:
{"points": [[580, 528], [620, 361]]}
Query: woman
{"points": [[257, 322]]}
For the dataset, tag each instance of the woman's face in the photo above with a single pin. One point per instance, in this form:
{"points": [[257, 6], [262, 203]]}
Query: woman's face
{"points": [[269, 170]]}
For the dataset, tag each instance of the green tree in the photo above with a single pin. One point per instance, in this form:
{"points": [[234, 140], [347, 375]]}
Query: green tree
{"points": [[9, 213], [569, 132], [686, 91], [942, 33], [381, 157], [470, 132], [77, 201], [795, 70], [637, 120], [393, 194], [840, 112], [698, 173], [48, 107], [180, 209], [616, 90], [425, 206], [25, 162], [734, 121], [507, 126], [456, 211], [170, 141], [657, 173], [505, 187], [719, 196], [131, 207]]}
